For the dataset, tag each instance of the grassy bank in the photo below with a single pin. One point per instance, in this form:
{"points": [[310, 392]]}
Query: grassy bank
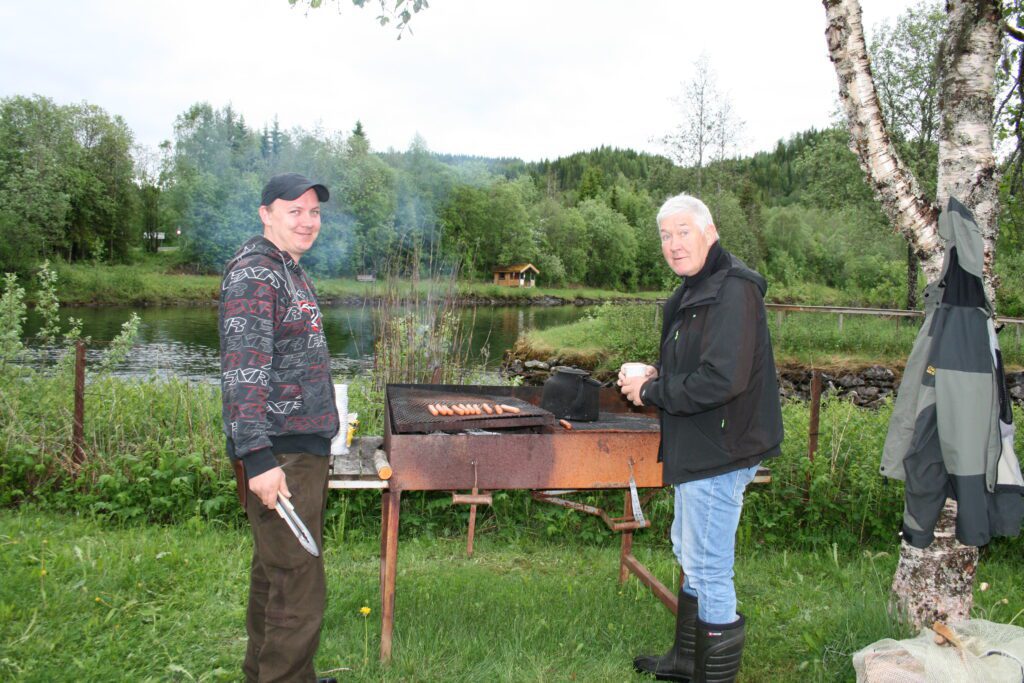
{"points": [[619, 334], [154, 282], [93, 602]]}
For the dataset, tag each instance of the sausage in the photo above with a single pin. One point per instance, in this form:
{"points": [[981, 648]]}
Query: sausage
{"points": [[498, 409], [511, 409], [432, 410], [487, 408], [565, 423]]}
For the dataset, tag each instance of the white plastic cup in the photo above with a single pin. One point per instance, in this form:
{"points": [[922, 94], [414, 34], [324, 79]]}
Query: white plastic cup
{"points": [[634, 369]]}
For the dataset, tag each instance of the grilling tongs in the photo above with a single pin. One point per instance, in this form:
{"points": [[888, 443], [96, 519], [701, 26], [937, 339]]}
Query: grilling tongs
{"points": [[285, 508]]}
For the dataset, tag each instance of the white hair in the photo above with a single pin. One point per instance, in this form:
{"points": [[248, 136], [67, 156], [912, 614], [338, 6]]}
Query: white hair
{"points": [[684, 203]]}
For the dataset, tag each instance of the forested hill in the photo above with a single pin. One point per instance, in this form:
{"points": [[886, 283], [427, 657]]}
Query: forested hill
{"points": [[73, 187]]}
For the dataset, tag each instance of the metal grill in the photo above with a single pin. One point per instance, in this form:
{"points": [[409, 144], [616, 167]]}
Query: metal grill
{"points": [[619, 422], [409, 412]]}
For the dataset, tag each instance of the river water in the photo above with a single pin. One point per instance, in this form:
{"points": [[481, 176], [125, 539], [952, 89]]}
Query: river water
{"points": [[182, 341]]}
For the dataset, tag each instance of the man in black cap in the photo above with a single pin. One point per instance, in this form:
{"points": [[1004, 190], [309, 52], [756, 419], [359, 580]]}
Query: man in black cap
{"points": [[279, 418]]}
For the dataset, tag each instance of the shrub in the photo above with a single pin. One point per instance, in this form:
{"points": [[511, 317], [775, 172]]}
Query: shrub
{"points": [[839, 497]]}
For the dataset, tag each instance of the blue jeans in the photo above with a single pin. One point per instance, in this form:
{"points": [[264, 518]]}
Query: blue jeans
{"points": [[707, 513]]}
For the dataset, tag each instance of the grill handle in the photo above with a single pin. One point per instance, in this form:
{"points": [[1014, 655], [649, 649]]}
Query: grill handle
{"points": [[472, 499]]}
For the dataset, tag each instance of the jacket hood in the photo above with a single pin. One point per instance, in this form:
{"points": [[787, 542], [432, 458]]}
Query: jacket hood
{"points": [[260, 245], [742, 270], [707, 288]]}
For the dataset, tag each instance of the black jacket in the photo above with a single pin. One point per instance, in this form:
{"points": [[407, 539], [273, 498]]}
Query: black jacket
{"points": [[276, 388], [716, 387]]}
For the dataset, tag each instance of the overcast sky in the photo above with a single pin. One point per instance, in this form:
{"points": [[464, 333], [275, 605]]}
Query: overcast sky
{"points": [[519, 78]]}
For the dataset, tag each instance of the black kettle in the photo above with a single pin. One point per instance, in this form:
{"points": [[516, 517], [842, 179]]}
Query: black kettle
{"points": [[571, 394]]}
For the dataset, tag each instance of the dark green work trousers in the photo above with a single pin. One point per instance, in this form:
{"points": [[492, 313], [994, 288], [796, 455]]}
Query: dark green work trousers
{"points": [[287, 589]]}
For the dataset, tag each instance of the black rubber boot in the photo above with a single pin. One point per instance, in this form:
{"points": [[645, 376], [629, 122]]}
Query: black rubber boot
{"points": [[677, 663], [719, 651]]}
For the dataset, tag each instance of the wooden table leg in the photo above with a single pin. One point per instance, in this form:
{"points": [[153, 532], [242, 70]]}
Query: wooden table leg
{"points": [[389, 563]]}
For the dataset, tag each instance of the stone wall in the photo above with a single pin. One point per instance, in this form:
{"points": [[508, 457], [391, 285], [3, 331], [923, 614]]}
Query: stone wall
{"points": [[866, 387]]}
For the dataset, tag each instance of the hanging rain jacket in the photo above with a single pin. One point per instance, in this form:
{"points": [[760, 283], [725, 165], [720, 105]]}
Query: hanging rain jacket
{"points": [[951, 431]]}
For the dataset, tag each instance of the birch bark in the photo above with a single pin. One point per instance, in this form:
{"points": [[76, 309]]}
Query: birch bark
{"points": [[936, 583]]}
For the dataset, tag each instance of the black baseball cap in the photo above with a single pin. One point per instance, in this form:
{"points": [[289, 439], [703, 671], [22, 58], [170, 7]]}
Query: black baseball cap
{"points": [[291, 186]]}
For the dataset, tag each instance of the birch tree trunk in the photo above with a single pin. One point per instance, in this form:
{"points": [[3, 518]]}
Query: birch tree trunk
{"points": [[935, 583]]}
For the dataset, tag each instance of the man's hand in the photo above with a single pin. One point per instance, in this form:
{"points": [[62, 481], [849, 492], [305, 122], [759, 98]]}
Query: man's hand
{"points": [[266, 486], [631, 388], [632, 383]]}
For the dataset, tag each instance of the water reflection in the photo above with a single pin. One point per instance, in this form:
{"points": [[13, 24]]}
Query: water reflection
{"points": [[183, 341]]}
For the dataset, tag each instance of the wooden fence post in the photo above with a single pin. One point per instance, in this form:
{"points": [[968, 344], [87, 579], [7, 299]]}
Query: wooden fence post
{"points": [[812, 428], [813, 431], [78, 427]]}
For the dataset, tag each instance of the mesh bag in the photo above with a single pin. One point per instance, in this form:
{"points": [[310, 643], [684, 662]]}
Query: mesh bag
{"points": [[989, 652]]}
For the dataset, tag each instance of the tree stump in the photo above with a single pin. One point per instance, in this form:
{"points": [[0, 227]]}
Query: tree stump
{"points": [[936, 583]]}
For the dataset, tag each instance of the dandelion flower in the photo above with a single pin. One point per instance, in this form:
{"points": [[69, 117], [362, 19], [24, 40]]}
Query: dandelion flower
{"points": [[365, 611], [984, 586]]}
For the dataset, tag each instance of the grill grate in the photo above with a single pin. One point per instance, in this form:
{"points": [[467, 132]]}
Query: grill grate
{"points": [[409, 414]]}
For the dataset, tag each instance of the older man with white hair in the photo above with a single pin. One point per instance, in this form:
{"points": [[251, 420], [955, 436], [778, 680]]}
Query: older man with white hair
{"points": [[718, 396]]}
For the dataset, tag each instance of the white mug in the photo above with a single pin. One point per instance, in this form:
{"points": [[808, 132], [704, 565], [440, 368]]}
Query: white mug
{"points": [[634, 369]]}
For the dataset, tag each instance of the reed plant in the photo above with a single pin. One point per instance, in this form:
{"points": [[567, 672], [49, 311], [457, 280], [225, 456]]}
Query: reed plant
{"points": [[420, 337]]}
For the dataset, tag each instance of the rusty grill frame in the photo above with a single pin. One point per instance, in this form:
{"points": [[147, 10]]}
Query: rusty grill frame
{"points": [[540, 458], [551, 458]]}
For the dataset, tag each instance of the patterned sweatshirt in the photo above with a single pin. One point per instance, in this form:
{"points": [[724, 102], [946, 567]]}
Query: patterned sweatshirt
{"points": [[276, 385]]}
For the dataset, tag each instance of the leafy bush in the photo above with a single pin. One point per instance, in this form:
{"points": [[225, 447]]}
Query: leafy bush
{"points": [[1009, 268], [839, 497]]}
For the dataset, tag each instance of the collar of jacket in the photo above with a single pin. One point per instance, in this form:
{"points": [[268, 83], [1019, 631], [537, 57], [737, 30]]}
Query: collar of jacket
{"points": [[261, 245], [704, 286]]}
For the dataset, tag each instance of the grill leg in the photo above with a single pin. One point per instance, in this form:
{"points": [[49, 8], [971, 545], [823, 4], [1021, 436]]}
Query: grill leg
{"points": [[627, 541], [629, 564], [390, 503]]}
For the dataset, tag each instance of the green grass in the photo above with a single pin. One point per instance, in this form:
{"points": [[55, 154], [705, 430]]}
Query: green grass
{"points": [[136, 284], [82, 601], [619, 334]]}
